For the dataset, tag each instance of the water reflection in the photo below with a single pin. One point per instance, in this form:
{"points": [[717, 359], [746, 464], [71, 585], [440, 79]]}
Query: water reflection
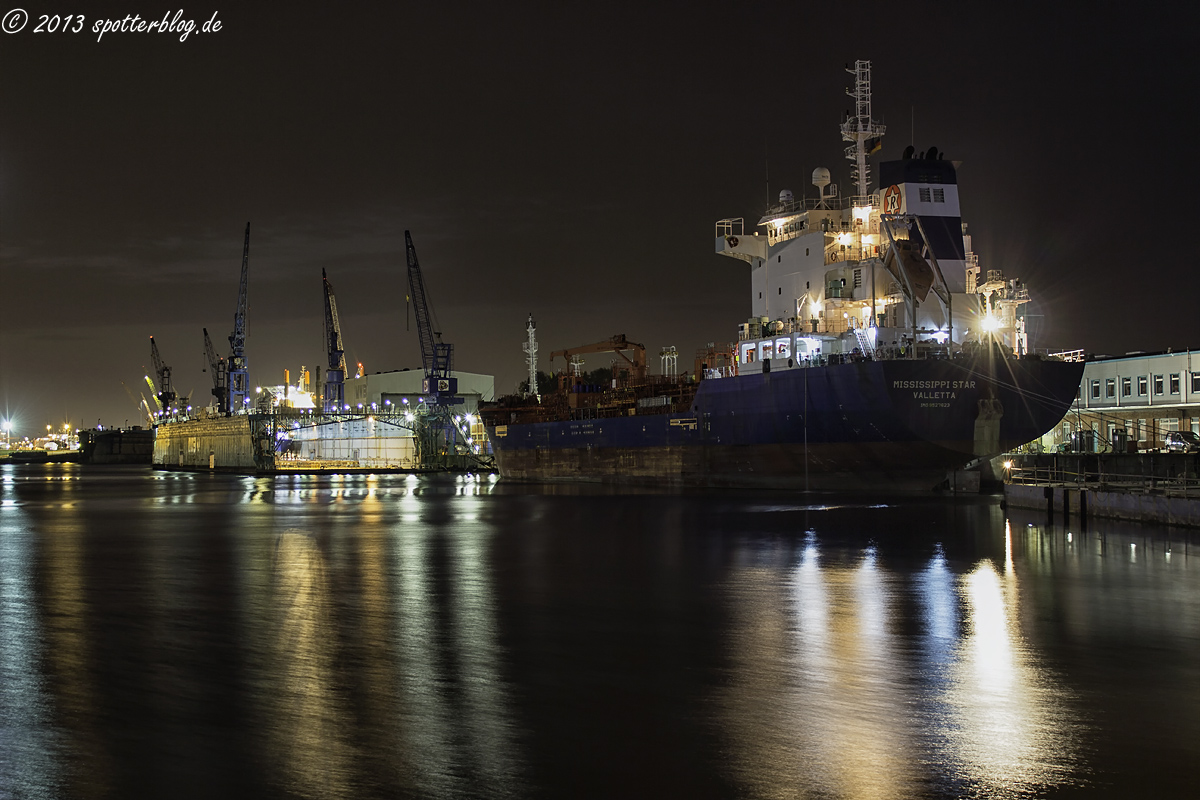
{"points": [[1013, 731], [834, 695], [69, 665], [454, 701], [27, 764], [309, 721], [381, 636]]}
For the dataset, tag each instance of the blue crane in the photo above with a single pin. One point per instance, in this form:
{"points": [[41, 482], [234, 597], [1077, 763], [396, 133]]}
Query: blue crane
{"points": [[166, 394], [437, 357], [217, 365], [335, 373]]}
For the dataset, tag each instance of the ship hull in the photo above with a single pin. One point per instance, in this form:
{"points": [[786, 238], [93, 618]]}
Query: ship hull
{"points": [[899, 425]]}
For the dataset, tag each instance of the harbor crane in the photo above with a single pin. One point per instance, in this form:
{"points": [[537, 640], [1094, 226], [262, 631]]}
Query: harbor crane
{"points": [[437, 357], [439, 431], [237, 373], [335, 373], [165, 394], [217, 366]]}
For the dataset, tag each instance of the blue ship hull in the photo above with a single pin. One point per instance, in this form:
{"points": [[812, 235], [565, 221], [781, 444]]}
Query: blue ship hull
{"points": [[898, 424]]}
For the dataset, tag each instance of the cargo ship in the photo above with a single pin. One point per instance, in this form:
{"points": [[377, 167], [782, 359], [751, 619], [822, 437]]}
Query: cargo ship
{"points": [[878, 354]]}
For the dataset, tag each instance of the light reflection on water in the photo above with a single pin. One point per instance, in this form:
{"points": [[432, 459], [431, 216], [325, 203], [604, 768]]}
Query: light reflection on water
{"points": [[853, 708], [362, 636]]}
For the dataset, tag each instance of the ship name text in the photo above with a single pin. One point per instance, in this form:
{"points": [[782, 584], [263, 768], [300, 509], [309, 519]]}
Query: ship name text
{"points": [[933, 384]]}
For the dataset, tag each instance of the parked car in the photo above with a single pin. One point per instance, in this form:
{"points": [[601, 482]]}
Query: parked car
{"points": [[1182, 442]]}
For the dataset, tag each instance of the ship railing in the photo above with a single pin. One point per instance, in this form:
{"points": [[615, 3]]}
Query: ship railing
{"points": [[841, 253], [836, 203], [732, 226], [1068, 355]]}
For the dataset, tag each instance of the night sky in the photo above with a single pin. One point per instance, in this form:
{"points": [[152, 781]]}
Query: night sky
{"points": [[564, 159]]}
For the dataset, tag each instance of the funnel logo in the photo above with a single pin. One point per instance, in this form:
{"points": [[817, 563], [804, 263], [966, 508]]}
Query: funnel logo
{"points": [[892, 200]]}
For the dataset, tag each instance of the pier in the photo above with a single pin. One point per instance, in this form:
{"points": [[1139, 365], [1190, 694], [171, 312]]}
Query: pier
{"points": [[1160, 488]]}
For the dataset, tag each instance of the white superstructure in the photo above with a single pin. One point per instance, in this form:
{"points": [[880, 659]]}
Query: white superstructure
{"points": [[882, 273]]}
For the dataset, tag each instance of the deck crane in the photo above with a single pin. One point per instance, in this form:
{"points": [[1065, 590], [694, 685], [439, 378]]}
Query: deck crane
{"points": [[237, 373], [636, 365], [166, 394], [437, 357], [335, 374], [218, 367]]}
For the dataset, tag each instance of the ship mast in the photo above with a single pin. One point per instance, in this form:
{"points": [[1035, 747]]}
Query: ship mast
{"points": [[864, 132], [531, 348]]}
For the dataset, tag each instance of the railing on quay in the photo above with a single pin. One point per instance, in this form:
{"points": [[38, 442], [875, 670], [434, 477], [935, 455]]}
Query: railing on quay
{"points": [[1058, 473]]}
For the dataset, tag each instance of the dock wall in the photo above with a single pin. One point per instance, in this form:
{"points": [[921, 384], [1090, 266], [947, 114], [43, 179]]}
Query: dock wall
{"points": [[117, 446], [223, 443], [1078, 504]]}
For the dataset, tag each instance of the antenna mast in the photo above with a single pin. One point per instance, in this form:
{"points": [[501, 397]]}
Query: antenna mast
{"points": [[237, 374], [864, 133], [531, 348]]}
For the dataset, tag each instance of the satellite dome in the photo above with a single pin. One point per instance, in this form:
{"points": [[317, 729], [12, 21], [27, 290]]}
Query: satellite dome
{"points": [[820, 177], [786, 196]]}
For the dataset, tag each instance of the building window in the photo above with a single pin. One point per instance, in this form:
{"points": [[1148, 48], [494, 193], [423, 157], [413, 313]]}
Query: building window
{"points": [[939, 195], [1141, 386], [1196, 381], [1110, 387], [1158, 384], [924, 195], [1095, 390], [1126, 387], [1140, 430], [1174, 384]]}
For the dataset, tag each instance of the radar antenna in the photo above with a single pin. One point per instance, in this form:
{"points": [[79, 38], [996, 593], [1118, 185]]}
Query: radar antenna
{"points": [[865, 133]]}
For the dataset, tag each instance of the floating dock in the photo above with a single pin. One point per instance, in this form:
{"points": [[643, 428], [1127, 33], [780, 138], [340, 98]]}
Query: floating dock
{"points": [[291, 442]]}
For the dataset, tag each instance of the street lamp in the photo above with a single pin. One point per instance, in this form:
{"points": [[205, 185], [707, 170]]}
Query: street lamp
{"points": [[7, 426]]}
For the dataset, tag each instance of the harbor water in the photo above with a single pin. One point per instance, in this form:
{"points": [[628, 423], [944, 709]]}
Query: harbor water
{"points": [[168, 634]]}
